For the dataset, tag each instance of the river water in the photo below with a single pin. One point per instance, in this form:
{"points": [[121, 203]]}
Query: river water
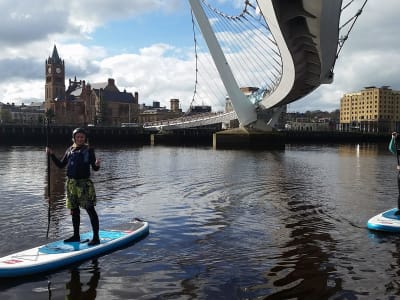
{"points": [[285, 224]]}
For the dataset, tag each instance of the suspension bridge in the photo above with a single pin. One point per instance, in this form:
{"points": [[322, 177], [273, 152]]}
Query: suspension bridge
{"points": [[281, 50]]}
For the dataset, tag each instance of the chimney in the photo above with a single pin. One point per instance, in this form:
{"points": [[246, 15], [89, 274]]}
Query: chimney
{"points": [[174, 105]]}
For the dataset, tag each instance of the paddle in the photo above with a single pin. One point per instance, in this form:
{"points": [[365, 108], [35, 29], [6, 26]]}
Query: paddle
{"points": [[397, 152], [48, 177]]}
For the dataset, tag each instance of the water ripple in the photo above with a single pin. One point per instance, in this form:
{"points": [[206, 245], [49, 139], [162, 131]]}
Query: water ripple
{"points": [[223, 224]]}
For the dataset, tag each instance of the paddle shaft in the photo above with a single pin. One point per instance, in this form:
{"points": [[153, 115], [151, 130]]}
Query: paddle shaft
{"points": [[48, 178], [397, 151]]}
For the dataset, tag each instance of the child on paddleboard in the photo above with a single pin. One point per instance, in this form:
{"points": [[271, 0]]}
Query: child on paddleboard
{"points": [[79, 188]]}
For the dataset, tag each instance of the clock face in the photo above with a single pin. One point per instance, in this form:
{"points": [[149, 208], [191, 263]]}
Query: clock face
{"points": [[58, 70]]}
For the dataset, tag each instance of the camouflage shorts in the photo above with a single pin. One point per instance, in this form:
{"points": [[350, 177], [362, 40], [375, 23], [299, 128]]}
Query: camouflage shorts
{"points": [[80, 193]]}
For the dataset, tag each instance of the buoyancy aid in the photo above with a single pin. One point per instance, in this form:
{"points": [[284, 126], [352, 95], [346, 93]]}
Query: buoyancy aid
{"points": [[79, 161]]}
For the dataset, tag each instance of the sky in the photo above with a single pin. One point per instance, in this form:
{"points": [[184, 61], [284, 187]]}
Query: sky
{"points": [[147, 46]]}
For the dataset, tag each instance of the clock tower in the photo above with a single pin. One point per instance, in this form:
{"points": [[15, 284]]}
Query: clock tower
{"points": [[55, 79]]}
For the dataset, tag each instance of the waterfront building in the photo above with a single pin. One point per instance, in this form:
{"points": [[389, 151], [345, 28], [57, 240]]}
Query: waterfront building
{"points": [[83, 103], [32, 114], [155, 113], [55, 77], [372, 109], [307, 124], [199, 109]]}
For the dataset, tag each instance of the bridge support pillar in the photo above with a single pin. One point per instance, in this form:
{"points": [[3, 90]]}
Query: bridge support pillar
{"points": [[245, 138]]}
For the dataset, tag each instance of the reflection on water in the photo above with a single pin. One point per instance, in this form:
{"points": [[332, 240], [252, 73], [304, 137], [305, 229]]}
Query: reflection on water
{"points": [[79, 289], [223, 224]]}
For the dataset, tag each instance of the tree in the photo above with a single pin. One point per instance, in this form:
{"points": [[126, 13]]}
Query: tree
{"points": [[102, 114], [49, 115], [5, 116]]}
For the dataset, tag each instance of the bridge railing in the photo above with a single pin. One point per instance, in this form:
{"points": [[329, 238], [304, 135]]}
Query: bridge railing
{"points": [[192, 121]]}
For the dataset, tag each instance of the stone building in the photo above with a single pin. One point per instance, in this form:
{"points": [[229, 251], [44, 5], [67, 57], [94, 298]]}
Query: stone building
{"points": [[31, 114], [157, 113], [111, 106], [84, 103], [55, 77], [370, 110]]}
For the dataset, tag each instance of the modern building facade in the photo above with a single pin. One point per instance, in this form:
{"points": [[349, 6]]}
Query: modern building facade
{"points": [[372, 109]]}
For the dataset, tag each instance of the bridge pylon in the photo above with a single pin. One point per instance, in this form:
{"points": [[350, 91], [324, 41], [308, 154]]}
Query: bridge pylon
{"points": [[306, 33]]}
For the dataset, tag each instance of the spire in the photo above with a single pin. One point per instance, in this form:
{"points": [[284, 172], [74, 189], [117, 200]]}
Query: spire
{"points": [[55, 58], [55, 53]]}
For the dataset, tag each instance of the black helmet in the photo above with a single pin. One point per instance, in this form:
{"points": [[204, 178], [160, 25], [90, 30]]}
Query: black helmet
{"points": [[78, 130]]}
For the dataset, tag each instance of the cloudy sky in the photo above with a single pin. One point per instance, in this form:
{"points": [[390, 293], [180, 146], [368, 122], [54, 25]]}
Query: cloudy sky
{"points": [[147, 46]]}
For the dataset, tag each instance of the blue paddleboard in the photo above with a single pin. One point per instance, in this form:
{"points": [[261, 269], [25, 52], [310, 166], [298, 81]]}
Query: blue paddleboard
{"points": [[58, 254], [386, 221]]}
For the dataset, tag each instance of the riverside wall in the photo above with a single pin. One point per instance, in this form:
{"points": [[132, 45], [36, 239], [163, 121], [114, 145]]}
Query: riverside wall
{"points": [[43, 135], [228, 139], [240, 138]]}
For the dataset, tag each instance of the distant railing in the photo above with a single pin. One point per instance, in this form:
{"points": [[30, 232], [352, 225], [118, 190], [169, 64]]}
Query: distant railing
{"points": [[192, 121]]}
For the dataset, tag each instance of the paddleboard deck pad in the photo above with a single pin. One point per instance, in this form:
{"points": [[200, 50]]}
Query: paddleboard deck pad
{"points": [[386, 221], [58, 254]]}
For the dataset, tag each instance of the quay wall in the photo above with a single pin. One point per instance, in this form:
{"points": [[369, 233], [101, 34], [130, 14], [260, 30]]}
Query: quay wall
{"points": [[234, 138], [244, 139], [41, 135], [182, 137]]}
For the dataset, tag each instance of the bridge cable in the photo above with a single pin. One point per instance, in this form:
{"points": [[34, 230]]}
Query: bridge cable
{"points": [[352, 20], [262, 59], [196, 60]]}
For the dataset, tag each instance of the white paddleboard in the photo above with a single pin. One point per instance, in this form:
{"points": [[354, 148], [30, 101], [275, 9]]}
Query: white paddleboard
{"points": [[58, 254], [386, 221]]}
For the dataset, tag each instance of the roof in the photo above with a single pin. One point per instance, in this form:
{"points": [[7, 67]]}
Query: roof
{"points": [[77, 92], [98, 85], [113, 96], [55, 58], [74, 90]]}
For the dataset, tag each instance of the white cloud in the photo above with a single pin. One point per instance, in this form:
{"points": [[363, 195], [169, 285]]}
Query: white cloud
{"points": [[14, 92], [156, 76], [160, 72]]}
